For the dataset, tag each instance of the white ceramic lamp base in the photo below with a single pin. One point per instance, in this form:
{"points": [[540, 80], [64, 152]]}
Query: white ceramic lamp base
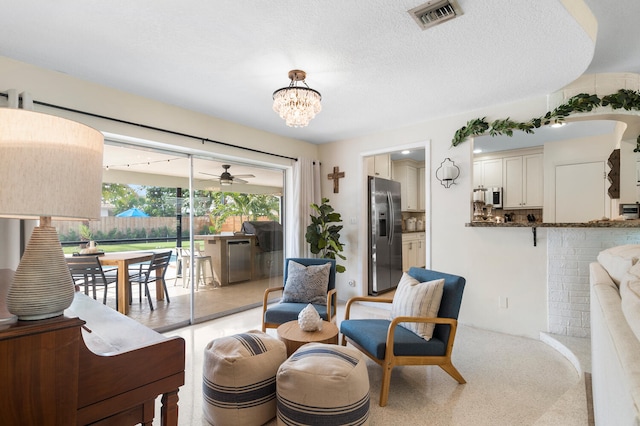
{"points": [[42, 286]]}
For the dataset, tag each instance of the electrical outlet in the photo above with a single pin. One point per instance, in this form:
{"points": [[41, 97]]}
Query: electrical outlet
{"points": [[503, 302], [352, 283], [353, 220]]}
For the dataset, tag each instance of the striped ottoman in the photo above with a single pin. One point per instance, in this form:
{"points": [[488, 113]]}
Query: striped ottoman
{"points": [[323, 384], [239, 378]]}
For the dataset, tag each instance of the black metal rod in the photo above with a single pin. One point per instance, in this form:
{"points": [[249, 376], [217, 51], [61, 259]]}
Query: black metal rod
{"points": [[159, 129]]}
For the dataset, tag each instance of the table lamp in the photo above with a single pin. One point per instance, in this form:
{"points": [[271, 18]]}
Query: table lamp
{"points": [[50, 168]]}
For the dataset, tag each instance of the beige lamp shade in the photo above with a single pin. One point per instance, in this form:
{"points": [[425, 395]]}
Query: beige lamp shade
{"points": [[49, 166]]}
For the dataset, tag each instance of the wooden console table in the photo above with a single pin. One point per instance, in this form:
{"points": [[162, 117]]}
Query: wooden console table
{"points": [[91, 365]]}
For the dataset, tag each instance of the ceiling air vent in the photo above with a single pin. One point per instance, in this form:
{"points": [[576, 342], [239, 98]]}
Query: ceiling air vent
{"points": [[435, 12]]}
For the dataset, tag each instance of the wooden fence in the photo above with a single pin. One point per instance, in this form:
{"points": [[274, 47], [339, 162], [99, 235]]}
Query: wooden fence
{"points": [[107, 224]]}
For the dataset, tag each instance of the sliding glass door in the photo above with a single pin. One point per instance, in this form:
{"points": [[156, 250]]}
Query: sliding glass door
{"points": [[222, 220]]}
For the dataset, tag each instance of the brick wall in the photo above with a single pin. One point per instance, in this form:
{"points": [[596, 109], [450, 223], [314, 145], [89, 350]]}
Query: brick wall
{"points": [[569, 252]]}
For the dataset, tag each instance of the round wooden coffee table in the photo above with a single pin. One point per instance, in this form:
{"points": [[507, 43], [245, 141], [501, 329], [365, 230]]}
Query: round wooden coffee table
{"points": [[293, 336]]}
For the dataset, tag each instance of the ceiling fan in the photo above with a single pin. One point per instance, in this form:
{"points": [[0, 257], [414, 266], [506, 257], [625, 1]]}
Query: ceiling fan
{"points": [[227, 179]]}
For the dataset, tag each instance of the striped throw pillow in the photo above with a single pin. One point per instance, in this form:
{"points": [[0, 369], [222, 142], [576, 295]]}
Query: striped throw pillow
{"points": [[416, 299]]}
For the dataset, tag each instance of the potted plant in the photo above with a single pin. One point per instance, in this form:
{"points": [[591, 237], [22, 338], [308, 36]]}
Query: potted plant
{"points": [[323, 235]]}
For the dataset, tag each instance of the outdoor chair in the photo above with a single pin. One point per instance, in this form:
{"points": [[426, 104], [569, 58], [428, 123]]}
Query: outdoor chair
{"points": [[389, 344], [202, 264], [152, 271], [301, 287], [86, 271]]}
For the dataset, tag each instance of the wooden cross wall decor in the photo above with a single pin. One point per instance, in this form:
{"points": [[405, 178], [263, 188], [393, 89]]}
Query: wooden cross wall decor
{"points": [[336, 175]]}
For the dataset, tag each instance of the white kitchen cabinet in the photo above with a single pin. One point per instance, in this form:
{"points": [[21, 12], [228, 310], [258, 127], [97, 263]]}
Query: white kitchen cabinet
{"points": [[421, 253], [414, 250], [406, 172], [523, 181], [421, 189], [379, 166], [487, 173], [407, 254], [477, 174]]}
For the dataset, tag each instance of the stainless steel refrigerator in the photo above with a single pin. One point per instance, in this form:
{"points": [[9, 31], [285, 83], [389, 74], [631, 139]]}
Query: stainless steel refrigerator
{"points": [[385, 235]]}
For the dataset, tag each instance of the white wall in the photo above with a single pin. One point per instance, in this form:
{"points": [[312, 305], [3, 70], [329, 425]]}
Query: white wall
{"points": [[495, 262], [9, 255]]}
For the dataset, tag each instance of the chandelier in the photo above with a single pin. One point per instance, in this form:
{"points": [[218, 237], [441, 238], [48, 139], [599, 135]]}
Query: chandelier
{"points": [[297, 105]]}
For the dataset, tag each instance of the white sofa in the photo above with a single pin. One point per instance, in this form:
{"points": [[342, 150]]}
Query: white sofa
{"points": [[615, 336]]}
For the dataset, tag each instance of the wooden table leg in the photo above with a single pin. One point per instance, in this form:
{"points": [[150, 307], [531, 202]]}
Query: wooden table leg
{"points": [[124, 289], [148, 409], [169, 410]]}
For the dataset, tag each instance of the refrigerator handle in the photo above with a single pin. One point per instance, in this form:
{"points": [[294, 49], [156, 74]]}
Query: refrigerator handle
{"points": [[392, 219]]}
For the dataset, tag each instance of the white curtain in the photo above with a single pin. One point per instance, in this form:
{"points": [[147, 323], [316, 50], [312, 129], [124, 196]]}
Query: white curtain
{"points": [[306, 191]]}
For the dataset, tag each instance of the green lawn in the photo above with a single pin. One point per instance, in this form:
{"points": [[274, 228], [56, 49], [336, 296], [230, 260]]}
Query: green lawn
{"points": [[109, 248]]}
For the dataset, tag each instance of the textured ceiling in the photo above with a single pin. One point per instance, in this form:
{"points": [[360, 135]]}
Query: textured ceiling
{"points": [[375, 68]]}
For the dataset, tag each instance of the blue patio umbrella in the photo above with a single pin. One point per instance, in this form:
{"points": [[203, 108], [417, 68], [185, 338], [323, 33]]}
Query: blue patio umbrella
{"points": [[133, 212]]}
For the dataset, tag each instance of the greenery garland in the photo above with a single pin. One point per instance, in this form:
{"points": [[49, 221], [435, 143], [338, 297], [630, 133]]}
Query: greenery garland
{"points": [[622, 99]]}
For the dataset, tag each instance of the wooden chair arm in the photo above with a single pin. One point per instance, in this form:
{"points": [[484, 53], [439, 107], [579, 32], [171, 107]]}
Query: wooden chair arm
{"points": [[435, 320], [363, 299], [265, 298], [265, 301], [453, 323], [332, 304]]}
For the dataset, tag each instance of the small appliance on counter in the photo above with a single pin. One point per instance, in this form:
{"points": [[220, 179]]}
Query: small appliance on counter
{"points": [[630, 211], [479, 196], [493, 197]]}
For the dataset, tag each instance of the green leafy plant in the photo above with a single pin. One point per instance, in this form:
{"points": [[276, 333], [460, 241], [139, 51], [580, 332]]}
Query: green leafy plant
{"points": [[85, 233], [216, 224], [323, 235], [628, 100]]}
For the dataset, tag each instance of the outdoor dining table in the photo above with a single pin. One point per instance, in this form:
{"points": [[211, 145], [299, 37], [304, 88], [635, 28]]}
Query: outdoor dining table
{"points": [[123, 260]]}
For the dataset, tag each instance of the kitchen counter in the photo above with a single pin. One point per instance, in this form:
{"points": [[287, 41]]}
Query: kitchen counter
{"points": [[217, 246], [224, 237], [635, 223], [413, 232]]}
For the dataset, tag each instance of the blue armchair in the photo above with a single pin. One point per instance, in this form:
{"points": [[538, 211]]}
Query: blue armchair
{"points": [[389, 345], [278, 313]]}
